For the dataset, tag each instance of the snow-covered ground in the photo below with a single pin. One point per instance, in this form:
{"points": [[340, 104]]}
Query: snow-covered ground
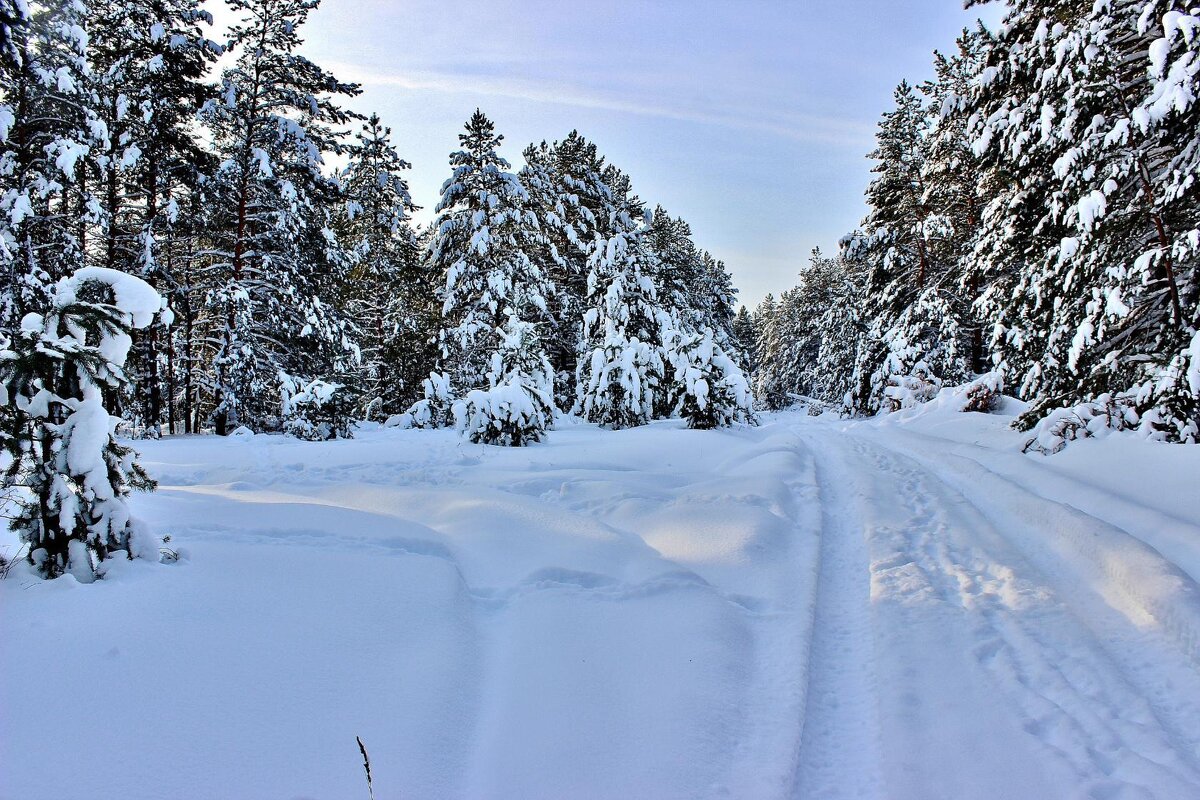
{"points": [[905, 608]]}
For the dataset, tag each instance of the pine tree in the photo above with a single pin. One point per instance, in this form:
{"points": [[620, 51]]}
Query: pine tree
{"points": [[768, 354], [389, 294], [149, 62], [1089, 112], [745, 334], [568, 192], [46, 200], [719, 299], [57, 434], [712, 389], [277, 265], [898, 248], [14, 15], [680, 268], [842, 326], [14, 33], [956, 189], [807, 341], [494, 295], [517, 407], [622, 376]]}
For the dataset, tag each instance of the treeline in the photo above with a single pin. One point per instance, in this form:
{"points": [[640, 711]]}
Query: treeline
{"points": [[1035, 213], [302, 296]]}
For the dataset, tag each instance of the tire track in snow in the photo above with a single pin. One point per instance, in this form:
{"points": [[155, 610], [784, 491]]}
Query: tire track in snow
{"points": [[839, 749], [1159, 659], [1076, 697]]}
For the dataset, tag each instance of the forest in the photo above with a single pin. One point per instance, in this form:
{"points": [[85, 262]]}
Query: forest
{"points": [[277, 225], [1035, 219]]}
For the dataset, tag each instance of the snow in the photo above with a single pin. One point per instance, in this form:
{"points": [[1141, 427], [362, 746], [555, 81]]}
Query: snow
{"points": [[131, 294], [903, 607]]}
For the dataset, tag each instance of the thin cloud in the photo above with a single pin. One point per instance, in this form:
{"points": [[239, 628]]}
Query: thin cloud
{"points": [[800, 127]]}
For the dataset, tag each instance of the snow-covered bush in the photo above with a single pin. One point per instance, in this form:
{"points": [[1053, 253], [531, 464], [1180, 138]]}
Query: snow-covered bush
{"points": [[712, 391], [982, 394], [918, 386], [518, 405], [620, 382], [511, 414], [72, 478], [312, 410], [1098, 417], [433, 410]]}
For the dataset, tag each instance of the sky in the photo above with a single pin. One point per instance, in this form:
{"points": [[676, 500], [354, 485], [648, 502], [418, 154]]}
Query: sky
{"points": [[751, 119]]}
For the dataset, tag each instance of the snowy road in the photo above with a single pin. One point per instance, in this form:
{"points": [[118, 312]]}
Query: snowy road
{"points": [[807, 609]]}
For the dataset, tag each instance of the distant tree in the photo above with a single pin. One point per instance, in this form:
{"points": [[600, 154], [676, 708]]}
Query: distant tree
{"points": [[568, 191], [389, 294], [899, 250]]}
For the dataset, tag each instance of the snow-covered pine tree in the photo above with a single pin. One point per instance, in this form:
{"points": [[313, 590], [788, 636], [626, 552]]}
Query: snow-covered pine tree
{"points": [[680, 268], [493, 297], [711, 388], [1090, 112], [956, 189], [389, 295], [800, 368], [841, 326], [567, 190], [781, 373], [184, 257], [745, 334], [74, 477], [808, 339], [622, 376], [14, 32], [517, 406], [720, 299], [14, 15], [47, 204], [906, 339], [769, 385], [276, 264], [149, 62]]}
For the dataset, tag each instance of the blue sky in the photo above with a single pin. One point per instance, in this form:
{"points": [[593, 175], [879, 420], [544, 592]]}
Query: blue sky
{"points": [[749, 118]]}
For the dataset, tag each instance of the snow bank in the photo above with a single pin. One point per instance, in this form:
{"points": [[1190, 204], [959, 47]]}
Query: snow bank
{"points": [[811, 606]]}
